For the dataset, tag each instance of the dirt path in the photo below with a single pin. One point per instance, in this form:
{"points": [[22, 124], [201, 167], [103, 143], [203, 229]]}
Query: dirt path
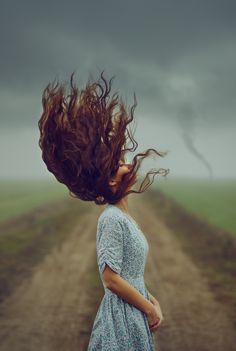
{"points": [[55, 308], [51, 310], [194, 320]]}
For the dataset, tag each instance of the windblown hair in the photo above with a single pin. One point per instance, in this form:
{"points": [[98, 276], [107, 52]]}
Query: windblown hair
{"points": [[82, 139]]}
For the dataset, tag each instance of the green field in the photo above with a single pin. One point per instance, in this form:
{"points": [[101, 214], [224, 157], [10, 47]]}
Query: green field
{"points": [[50, 219], [214, 200], [19, 197]]}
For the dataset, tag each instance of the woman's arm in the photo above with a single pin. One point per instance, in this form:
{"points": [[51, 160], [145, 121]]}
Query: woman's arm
{"points": [[126, 291]]}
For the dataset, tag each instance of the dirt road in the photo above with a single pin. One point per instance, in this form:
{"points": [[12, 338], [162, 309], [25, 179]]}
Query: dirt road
{"points": [[54, 309]]}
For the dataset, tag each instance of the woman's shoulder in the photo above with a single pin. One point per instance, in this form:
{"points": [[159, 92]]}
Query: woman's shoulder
{"points": [[110, 215]]}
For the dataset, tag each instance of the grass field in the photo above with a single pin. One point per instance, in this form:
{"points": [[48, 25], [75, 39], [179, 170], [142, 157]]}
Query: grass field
{"points": [[214, 200], [19, 197]]}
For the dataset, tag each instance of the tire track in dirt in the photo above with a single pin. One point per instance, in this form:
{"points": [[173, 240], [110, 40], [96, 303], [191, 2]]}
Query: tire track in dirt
{"points": [[194, 320], [52, 310]]}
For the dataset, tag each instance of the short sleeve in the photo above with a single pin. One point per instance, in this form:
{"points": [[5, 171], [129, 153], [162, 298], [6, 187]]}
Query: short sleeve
{"points": [[110, 243]]}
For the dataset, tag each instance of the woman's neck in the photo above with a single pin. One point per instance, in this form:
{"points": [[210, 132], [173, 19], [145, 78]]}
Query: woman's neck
{"points": [[123, 205]]}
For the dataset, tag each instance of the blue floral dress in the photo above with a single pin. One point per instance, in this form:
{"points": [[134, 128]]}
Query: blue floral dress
{"points": [[119, 325]]}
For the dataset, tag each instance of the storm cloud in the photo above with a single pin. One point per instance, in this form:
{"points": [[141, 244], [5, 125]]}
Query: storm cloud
{"points": [[179, 57]]}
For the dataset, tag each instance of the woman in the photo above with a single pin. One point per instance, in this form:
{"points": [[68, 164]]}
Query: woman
{"points": [[84, 142]]}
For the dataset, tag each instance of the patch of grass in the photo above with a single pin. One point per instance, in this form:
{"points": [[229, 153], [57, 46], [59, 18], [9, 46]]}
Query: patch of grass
{"points": [[214, 200], [27, 242], [19, 197], [212, 249]]}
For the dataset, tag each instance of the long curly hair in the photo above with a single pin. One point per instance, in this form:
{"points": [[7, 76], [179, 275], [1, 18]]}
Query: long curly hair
{"points": [[83, 138]]}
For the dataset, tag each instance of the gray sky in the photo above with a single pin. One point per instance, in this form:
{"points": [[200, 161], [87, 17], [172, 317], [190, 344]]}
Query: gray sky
{"points": [[179, 57]]}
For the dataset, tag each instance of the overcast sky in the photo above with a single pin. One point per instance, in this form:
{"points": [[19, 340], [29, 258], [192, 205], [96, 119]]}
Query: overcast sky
{"points": [[179, 57]]}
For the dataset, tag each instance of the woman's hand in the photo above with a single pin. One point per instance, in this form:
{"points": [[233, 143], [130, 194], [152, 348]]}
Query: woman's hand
{"points": [[152, 299], [155, 317]]}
